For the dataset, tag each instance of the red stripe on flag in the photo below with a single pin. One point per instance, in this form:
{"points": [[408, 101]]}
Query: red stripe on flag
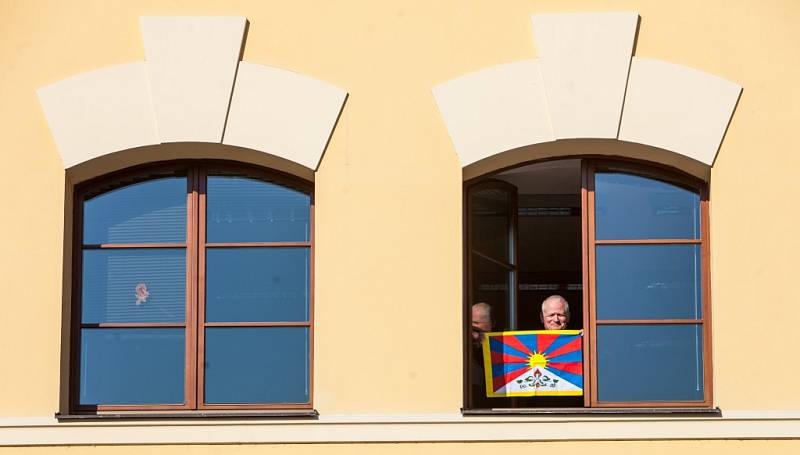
{"points": [[499, 357], [573, 345], [569, 367], [544, 341], [514, 342], [500, 381]]}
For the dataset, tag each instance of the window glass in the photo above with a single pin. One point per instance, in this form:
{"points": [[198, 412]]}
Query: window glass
{"points": [[491, 222], [181, 311], [134, 285], [257, 284], [148, 212], [648, 282], [248, 210], [257, 365], [132, 366], [493, 284], [650, 362], [633, 207]]}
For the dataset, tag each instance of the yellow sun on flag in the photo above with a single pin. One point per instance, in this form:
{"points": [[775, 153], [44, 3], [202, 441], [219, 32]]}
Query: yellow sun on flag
{"points": [[537, 360]]}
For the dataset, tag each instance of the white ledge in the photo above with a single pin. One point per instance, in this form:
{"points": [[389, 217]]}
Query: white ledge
{"points": [[32, 431]]}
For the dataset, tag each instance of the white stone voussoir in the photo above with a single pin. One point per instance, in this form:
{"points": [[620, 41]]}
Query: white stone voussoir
{"points": [[587, 85], [184, 92], [677, 108], [585, 59], [99, 112], [192, 64], [495, 109], [283, 113]]}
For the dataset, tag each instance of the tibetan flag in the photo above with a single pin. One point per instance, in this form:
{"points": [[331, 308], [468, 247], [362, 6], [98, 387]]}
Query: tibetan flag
{"points": [[533, 363]]}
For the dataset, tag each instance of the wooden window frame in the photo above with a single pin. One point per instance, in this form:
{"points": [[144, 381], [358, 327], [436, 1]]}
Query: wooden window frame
{"points": [[589, 166], [510, 265], [196, 173]]}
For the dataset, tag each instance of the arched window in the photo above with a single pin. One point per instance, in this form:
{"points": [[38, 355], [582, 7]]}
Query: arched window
{"points": [[626, 245], [193, 290]]}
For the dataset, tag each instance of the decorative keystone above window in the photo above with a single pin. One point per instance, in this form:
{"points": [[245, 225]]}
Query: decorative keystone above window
{"points": [[192, 88], [586, 84]]}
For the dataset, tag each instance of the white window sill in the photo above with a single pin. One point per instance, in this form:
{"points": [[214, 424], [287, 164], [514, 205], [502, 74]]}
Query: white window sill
{"points": [[34, 431]]}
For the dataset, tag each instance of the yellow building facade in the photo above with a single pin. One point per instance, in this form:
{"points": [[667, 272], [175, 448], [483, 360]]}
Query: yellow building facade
{"points": [[365, 105]]}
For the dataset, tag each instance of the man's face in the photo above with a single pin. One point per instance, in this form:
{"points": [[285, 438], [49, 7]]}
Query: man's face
{"points": [[554, 315], [480, 323]]}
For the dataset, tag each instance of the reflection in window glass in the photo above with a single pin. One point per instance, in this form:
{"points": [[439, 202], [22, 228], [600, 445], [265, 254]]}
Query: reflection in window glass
{"points": [[257, 365], [491, 222], [633, 207], [648, 282], [257, 284], [490, 283], [249, 210], [134, 285], [650, 362], [149, 212], [132, 366]]}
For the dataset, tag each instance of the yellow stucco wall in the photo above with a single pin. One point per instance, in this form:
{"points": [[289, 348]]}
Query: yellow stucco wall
{"points": [[565, 448], [388, 191]]}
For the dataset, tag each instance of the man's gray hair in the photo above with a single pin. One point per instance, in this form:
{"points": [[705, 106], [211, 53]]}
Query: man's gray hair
{"points": [[483, 308], [555, 299]]}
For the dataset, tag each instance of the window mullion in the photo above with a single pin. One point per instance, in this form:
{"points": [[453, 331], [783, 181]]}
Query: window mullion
{"points": [[588, 380], [591, 273], [201, 286], [311, 292], [513, 254], [705, 295], [190, 379]]}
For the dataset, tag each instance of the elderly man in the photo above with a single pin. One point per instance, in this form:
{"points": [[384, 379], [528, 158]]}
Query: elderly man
{"points": [[481, 323], [555, 313], [481, 320]]}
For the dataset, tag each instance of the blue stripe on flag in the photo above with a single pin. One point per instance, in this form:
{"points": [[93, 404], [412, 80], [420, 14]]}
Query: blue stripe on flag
{"points": [[567, 376], [529, 340], [574, 356], [504, 368], [558, 342], [496, 345]]}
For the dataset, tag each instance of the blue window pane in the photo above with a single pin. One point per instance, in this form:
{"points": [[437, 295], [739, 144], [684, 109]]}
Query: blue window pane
{"points": [[633, 207], [134, 285], [650, 362], [149, 212], [132, 366], [256, 365], [648, 282], [248, 210], [257, 284]]}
